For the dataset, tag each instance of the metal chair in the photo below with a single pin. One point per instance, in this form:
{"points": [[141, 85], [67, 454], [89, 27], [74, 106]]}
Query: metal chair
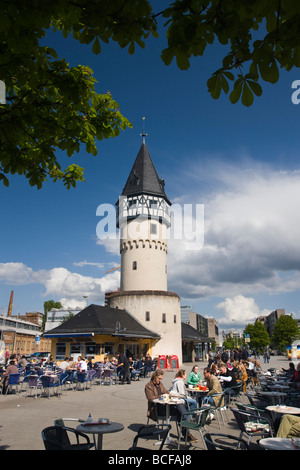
{"points": [[60, 438], [90, 377], [71, 379], [224, 442], [200, 417], [234, 393], [252, 424], [48, 384], [24, 378], [62, 379], [98, 375], [107, 377], [81, 378], [13, 381], [218, 408], [153, 431]]}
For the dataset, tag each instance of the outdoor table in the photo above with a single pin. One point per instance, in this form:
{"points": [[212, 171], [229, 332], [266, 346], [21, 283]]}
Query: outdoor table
{"points": [[283, 409], [168, 403], [279, 387], [100, 428], [199, 393], [274, 395], [280, 443]]}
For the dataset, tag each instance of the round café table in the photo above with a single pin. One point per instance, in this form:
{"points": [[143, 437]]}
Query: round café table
{"points": [[284, 409], [279, 443], [200, 394], [100, 429]]}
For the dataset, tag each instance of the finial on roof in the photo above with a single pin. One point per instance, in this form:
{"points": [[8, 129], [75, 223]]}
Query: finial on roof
{"points": [[144, 132]]}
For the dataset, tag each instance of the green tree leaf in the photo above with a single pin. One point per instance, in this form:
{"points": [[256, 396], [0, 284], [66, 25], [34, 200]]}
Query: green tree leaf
{"points": [[96, 46]]}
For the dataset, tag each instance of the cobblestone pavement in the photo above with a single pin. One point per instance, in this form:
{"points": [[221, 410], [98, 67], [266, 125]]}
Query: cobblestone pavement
{"points": [[22, 418]]}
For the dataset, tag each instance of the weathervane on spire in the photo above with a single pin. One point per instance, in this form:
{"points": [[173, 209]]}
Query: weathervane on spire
{"points": [[144, 133]]}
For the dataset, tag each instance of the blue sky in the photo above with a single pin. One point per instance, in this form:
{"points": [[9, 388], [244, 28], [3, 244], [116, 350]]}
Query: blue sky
{"points": [[241, 164]]}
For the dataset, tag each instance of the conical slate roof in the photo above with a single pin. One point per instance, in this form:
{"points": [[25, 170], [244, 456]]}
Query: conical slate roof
{"points": [[143, 178], [97, 319]]}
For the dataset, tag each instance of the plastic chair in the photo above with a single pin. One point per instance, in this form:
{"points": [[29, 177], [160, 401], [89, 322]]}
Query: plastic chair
{"points": [[252, 424], [58, 438], [224, 442], [198, 424], [90, 377], [33, 383], [98, 375], [13, 381], [62, 379], [153, 431], [26, 374], [81, 378], [107, 377], [71, 379]]}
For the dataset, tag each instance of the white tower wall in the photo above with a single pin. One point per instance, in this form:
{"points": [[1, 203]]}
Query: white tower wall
{"points": [[157, 311], [143, 249]]}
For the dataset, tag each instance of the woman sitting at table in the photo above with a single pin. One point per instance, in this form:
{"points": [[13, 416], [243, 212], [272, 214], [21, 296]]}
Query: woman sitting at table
{"points": [[195, 377], [178, 388]]}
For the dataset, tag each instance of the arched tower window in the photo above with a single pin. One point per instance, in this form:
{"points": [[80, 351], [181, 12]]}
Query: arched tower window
{"points": [[134, 265]]}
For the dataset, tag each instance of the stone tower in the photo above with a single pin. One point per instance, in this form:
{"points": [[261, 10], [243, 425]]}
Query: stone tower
{"points": [[143, 218]]}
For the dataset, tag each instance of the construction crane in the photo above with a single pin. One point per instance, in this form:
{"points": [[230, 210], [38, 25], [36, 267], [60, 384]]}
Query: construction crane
{"points": [[110, 270]]}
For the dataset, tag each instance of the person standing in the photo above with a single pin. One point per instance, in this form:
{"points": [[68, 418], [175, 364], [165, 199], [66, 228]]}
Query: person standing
{"points": [[124, 363]]}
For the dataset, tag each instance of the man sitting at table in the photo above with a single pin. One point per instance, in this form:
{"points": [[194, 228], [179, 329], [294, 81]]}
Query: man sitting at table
{"points": [[155, 389], [229, 381], [11, 369], [289, 426]]}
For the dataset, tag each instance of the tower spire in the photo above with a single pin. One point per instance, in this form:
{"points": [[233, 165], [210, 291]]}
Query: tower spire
{"points": [[144, 132]]}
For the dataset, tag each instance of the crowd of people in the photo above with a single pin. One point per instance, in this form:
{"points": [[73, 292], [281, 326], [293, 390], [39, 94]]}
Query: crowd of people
{"points": [[124, 366], [224, 375]]}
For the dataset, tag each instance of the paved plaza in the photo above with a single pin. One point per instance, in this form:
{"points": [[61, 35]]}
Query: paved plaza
{"points": [[22, 418]]}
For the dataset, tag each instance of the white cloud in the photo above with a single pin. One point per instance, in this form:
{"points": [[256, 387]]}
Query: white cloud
{"points": [[252, 232], [20, 274], [60, 282], [239, 310]]}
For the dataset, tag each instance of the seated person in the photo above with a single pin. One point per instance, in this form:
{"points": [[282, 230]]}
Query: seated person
{"points": [[134, 373], [11, 369], [178, 388], [289, 426], [194, 377], [229, 381], [155, 389], [64, 365]]}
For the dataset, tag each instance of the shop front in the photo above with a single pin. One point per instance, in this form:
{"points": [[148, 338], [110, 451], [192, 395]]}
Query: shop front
{"points": [[99, 331]]}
